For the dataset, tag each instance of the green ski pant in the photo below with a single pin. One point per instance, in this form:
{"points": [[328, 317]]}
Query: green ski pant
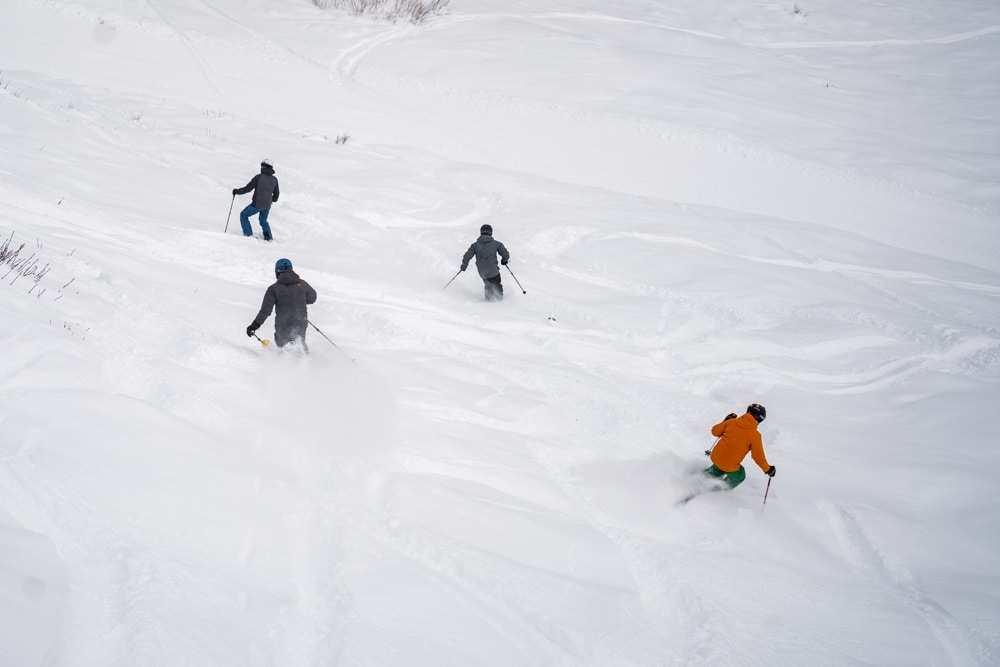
{"points": [[733, 479]]}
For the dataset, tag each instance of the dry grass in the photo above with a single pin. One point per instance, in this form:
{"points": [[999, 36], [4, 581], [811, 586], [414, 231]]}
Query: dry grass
{"points": [[414, 11]]}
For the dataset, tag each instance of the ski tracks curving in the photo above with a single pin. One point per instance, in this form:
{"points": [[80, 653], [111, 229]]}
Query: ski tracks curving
{"points": [[888, 571]]}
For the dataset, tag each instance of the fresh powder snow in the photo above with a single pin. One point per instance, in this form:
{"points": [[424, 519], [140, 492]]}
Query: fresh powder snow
{"points": [[707, 204]]}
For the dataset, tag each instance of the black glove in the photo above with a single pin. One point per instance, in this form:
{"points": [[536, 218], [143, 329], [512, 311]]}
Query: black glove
{"points": [[504, 262], [235, 192], [251, 330], [770, 472], [731, 415], [462, 268]]}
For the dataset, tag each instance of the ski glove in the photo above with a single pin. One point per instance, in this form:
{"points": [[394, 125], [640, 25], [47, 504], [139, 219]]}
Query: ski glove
{"points": [[251, 330], [504, 262], [235, 192], [731, 415], [770, 472], [463, 267]]}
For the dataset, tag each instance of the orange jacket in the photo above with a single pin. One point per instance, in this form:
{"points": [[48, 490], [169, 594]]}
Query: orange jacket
{"points": [[738, 437]]}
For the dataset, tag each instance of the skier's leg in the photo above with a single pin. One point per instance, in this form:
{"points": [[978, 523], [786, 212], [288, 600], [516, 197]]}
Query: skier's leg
{"points": [[264, 227], [732, 479], [494, 292], [735, 478], [713, 471], [282, 337], [245, 219], [300, 337]]}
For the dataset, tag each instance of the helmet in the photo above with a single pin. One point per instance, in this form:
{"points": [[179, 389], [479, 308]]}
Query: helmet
{"points": [[267, 161], [282, 265], [758, 411], [486, 229]]}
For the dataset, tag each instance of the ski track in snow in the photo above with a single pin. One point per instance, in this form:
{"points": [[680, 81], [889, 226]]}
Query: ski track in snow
{"points": [[381, 85], [319, 538], [189, 45], [960, 643], [560, 16], [931, 41]]}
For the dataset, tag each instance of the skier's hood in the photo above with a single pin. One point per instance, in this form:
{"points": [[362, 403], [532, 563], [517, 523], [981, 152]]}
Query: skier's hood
{"points": [[745, 422], [288, 277], [484, 238], [267, 169]]}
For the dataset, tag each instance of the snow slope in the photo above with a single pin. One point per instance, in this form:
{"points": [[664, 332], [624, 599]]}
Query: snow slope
{"points": [[707, 204]]}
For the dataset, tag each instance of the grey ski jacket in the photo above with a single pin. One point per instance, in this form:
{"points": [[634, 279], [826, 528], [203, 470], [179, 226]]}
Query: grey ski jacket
{"points": [[486, 249], [265, 188], [289, 296]]}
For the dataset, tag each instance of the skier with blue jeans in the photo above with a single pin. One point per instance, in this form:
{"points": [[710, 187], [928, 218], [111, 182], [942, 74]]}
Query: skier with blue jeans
{"points": [[265, 192]]}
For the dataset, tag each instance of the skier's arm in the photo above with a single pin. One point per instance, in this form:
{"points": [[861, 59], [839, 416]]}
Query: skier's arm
{"points": [[504, 255], [310, 293], [248, 187], [757, 452], [266, 306], [468, 255], [719, 429], [274, 197]]}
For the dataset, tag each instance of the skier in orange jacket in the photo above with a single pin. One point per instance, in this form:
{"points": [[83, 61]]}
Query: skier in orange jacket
{"points": [[738, 437]]}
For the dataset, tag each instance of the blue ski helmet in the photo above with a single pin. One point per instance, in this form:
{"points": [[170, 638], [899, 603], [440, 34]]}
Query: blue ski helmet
{"points": [[486, 229], [758, 412], [282, 265]]}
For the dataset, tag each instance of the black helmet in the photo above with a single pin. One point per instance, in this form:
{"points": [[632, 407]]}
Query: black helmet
{"points": [[282, 265], [758, 412], [486, 229]]}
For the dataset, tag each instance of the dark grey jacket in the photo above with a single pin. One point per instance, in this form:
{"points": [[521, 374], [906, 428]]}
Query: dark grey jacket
{"points": [[265, 188], [289, 295], [486, 250]]}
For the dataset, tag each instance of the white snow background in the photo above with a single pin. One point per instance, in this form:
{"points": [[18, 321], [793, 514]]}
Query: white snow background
{"points": [[708, 203]]}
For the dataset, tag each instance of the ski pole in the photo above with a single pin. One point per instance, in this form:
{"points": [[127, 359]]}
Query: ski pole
{"points": [[328, 339], [230, 214], [451, 281], [516, 280], [769, 478], [264, 342], [708, 452]]}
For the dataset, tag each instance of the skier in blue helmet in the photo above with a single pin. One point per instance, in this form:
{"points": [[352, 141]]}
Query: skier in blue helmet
{"points": [[289, 297]]}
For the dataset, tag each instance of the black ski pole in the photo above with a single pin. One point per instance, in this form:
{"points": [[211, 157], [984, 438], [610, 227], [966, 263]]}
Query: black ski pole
{"points": [[451, 281], [516, 280], [328, 339], [230, 214], [769, 478]]}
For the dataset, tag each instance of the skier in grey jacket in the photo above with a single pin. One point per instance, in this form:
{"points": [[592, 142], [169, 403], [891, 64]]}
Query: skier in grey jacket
{"points": [[486, 249], [289, 295], [265, 192]]}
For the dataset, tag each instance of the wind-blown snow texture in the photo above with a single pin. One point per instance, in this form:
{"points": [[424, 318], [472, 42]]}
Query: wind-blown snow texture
{"points": [[708, 204]]}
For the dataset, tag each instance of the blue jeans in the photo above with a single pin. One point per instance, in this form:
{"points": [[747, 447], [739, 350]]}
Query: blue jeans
{"points": [[245, 221]]}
